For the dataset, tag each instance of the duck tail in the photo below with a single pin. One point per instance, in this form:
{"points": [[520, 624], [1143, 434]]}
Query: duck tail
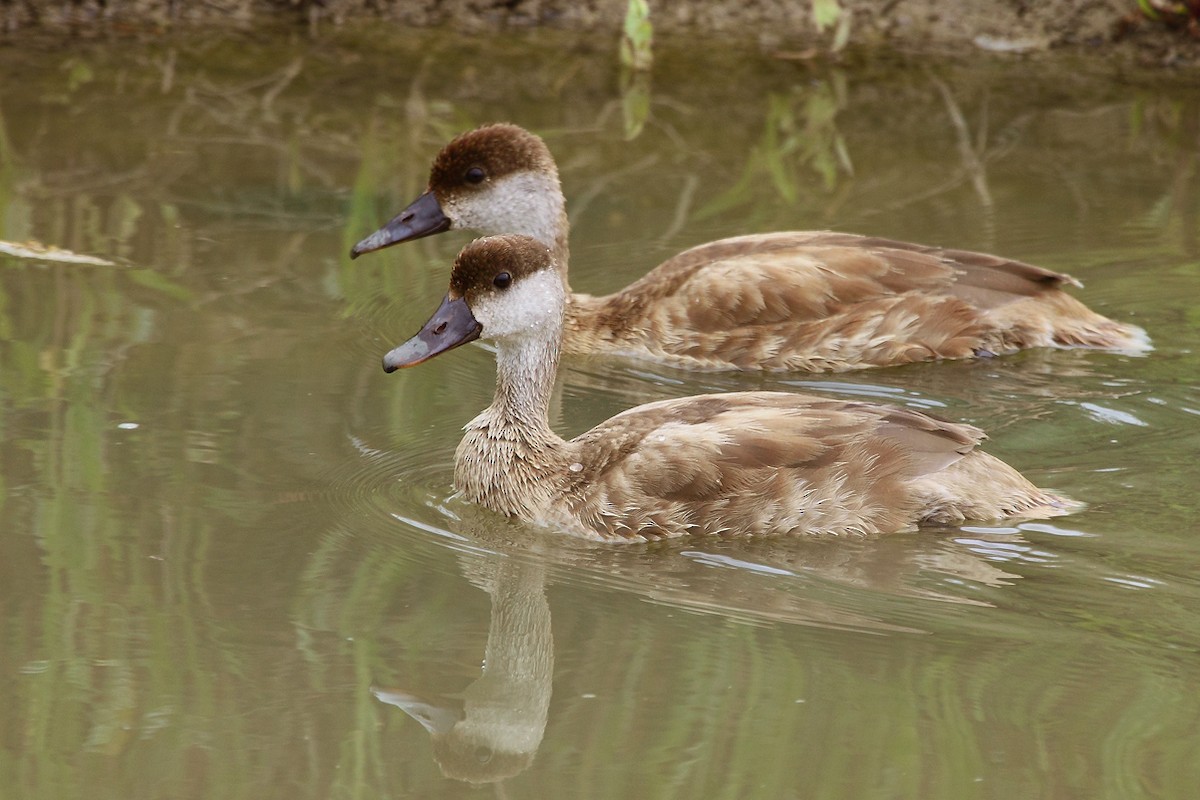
{"points": [[982, 487], [1103, 333]]}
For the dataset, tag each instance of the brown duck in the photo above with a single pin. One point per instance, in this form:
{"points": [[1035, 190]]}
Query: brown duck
{"points": [[815, 300], [738, 464]]}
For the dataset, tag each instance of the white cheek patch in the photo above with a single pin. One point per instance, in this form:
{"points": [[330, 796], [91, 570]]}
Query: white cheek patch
{"points": [[528, 203], [531, 307]]}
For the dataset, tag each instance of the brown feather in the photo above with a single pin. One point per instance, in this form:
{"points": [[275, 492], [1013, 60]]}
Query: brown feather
{"points": [[760, 462], [835, 301], [499, 149], [816, 301]]}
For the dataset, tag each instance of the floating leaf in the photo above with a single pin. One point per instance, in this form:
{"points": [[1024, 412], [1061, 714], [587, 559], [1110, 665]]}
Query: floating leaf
{"points": [[44, 252]]}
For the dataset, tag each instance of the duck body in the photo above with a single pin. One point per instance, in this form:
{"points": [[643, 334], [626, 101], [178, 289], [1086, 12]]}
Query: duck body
{"points": [[827, 301], [806, 301], [736, 464], [747, 464]]}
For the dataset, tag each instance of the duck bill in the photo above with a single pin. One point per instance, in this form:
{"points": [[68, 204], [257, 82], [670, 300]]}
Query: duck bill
{"points": [[451, 325], [423, 217], [435, 718]]}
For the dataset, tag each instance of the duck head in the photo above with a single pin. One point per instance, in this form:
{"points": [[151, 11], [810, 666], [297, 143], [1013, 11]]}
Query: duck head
{"points": [[502, 288], [496, 179], [497, 741]]}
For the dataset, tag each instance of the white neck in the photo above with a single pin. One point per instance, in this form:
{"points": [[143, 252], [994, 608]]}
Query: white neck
{"points": [[509, 451], [525, 372]]}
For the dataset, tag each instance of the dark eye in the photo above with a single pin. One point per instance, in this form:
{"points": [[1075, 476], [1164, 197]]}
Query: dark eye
{"points": [[502, 280], [475, 175]]}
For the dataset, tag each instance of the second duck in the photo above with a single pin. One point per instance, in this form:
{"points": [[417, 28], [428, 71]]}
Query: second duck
{"points": [[814, 300]]}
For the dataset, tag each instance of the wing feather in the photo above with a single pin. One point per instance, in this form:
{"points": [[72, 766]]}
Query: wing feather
{"points": [[831, 301], [758, 462]]}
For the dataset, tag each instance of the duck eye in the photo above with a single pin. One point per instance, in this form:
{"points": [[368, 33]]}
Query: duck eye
{"points": [[502, 280], [475, 175]]}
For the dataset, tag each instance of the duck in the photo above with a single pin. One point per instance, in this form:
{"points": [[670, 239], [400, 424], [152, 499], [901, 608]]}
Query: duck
{"points": [[807, 301], [732, 464]]}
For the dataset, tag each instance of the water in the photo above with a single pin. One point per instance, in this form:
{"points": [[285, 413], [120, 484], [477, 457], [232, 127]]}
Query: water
{"points": [[231, 565]]}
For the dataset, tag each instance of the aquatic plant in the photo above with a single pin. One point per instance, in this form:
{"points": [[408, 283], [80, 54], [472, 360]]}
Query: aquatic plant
{"points": [[637, 37], [636, 55], [829, 14], [800, 137], [1173, 13]]}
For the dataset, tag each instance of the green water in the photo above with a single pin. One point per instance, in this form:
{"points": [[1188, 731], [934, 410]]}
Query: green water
{"points": [[230, 562]]}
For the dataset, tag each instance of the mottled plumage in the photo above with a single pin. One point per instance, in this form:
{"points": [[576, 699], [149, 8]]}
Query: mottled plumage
{"points": [[813, 301], [738, 464]]}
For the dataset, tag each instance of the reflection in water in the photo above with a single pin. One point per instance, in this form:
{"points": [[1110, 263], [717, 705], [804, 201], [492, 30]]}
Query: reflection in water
{"points": [[819, 582], [889, 588], [800, 138], [492, 730]]}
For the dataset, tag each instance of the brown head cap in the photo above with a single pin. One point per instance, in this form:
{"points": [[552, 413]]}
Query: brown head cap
{"points": [[488, 153], [483, 264]]}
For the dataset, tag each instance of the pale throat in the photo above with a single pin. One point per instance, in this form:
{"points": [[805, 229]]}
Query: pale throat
{"points": [[526, 326], [509, 454], [525, 371]]}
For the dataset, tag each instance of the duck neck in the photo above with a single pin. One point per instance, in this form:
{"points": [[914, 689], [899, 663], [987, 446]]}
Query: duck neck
{"points": [[553, 229], [528, 203], [547, 221], [509, 456], [525, 372], [509, 701]]}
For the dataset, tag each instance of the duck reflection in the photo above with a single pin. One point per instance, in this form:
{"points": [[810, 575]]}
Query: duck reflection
{"points": [[492, 730]]}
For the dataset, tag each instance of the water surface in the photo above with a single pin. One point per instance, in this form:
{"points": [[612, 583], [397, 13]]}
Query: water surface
{"points": [[231, 565]]}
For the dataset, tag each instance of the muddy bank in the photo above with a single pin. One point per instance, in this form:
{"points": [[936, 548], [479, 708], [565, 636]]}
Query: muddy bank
{"points": [[1103, 27]]}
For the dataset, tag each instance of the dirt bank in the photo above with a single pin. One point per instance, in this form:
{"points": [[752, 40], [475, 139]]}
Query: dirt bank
{"points": [[1103, 27]]}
